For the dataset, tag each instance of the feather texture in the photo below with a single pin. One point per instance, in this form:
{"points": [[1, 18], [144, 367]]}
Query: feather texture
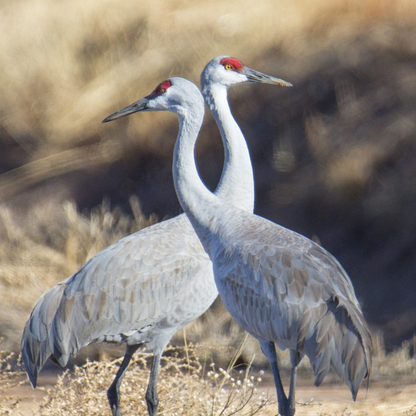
{"points": [[284, 288], [145, 286]]}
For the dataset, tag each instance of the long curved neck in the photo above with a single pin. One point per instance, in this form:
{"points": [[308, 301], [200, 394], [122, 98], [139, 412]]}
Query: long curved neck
{"points": [[197, 201], [236, 185]]}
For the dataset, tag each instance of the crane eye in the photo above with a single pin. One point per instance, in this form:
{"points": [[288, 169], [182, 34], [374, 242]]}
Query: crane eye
{"points": [[162, 90], [228, 67]]}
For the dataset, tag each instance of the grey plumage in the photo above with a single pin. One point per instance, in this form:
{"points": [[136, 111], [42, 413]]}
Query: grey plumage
{"points": [[127, 292], [283, 287]]}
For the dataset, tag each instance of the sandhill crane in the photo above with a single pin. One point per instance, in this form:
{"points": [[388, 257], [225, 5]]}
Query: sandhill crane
{"points": [[145, 287], [281, 287]]}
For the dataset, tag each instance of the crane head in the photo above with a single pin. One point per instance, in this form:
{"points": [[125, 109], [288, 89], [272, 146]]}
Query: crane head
{"points": [[228, 71], [175, 94]]}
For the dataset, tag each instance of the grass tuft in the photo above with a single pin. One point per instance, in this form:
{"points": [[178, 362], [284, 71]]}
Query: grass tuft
{"points": [[185, 387]]}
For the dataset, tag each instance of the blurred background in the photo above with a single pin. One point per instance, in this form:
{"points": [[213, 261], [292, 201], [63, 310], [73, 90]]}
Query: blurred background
{"points": [[334, 157]]}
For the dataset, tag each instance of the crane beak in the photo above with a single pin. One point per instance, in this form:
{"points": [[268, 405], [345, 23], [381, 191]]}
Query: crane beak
{"points": [[256, 76], [140, 105]]}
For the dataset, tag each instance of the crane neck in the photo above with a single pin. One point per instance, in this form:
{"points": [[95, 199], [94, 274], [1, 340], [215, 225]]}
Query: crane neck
{"points": [[236, 185], [198, 202]]}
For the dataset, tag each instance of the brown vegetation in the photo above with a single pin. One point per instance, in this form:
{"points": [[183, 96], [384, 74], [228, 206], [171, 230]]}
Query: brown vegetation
{"points": [[334, 156], [191, 386]]}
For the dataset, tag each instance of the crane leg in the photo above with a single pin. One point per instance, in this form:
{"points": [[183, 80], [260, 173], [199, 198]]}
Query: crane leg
{"points": [[113, 393], [152, 399], [286, 407], [295, 359], [291, 399]]}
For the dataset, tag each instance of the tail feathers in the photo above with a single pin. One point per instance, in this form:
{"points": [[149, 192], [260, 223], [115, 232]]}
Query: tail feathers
{"points": [[360, 325], [37, 343], [340, 340], [30, 352]]}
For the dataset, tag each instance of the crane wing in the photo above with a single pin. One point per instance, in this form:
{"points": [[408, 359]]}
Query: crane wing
{"points": [[282, 287], [159, 277]]}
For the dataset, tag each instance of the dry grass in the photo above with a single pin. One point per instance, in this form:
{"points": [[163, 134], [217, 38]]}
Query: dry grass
{"points": [[189, 386], [186, 387], [68, 64]]}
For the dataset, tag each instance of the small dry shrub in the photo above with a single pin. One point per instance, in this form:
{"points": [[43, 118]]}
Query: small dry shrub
{"points": [[400, 364], [185, 387], [10, 376], [190, 386]]}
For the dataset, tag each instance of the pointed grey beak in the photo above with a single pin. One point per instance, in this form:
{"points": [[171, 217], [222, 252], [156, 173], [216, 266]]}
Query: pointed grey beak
{"points": [[256, 76], [140, 105]]}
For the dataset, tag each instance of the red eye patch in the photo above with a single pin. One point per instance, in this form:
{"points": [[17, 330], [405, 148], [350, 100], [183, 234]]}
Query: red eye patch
{"points": [[235, 63], [160, 89]]}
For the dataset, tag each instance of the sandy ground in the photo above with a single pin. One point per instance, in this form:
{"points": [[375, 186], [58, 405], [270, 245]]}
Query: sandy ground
{"points": [[336, 400], [29, 397], [326, 400]]}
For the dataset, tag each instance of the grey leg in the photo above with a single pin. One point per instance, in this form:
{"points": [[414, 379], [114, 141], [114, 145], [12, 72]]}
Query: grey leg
{"points": [[113, 393], [286, 407], [295, 359], [291, 400], [152, 399]]}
